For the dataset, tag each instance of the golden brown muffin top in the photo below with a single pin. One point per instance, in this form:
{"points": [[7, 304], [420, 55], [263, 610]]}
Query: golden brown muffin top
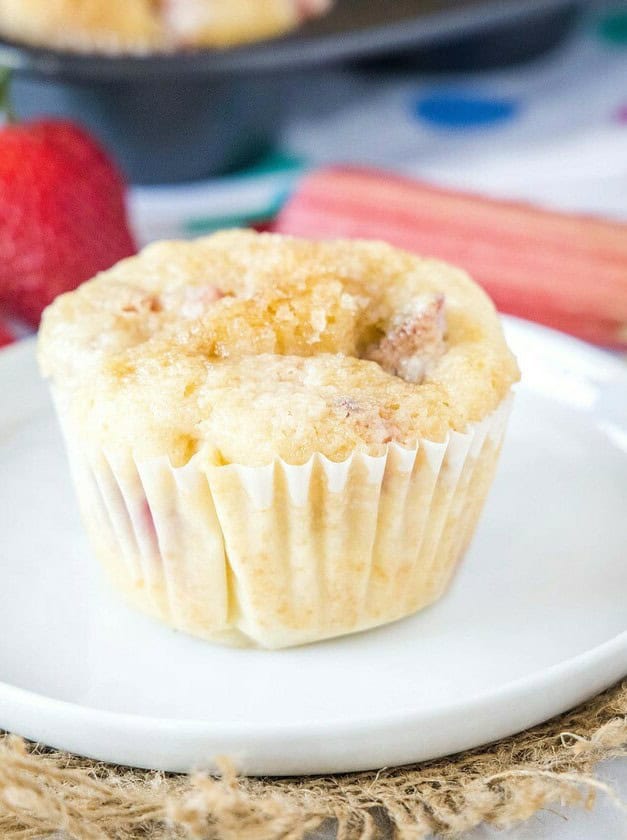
{"points": [[254, 346]]}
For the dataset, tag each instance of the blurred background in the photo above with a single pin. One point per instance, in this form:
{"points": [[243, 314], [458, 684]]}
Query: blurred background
{"points": [[516, 99], [506, 99]]}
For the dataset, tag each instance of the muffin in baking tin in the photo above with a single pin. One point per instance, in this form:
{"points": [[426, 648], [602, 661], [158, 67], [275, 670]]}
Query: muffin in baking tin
{"points": [[141, 26]]}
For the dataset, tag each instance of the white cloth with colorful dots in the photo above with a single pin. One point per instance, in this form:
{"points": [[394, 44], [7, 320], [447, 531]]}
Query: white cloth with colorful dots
{"points": [[553, 131]]}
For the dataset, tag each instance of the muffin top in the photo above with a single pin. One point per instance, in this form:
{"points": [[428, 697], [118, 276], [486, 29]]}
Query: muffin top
{"points": [[247, 347]]}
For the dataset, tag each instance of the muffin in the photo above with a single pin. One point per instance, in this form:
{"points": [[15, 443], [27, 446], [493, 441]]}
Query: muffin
{"points": [[274, 440], [121, 26]]}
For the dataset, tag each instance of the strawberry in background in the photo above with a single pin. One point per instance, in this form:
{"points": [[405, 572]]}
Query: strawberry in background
{"points": [[62, 213], [6, 334]]}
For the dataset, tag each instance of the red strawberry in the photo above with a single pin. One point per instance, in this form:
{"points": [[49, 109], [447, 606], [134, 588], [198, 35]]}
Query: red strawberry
{"points": [[6, 336], [62, 214]]}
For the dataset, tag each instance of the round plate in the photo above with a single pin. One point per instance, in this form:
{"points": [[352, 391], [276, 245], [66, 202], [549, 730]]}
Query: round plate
{"points": [[535, 621]]}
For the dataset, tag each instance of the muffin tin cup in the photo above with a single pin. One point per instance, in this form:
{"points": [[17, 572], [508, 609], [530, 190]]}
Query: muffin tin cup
{"points": [[181, 116], [281, 555]]}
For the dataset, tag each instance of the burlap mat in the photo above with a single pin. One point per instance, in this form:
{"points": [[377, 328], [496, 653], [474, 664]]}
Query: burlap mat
{"points": [[42, 791]]}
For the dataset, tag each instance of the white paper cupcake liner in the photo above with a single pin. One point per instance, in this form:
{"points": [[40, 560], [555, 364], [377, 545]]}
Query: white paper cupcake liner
{"points": [[282, 555]]}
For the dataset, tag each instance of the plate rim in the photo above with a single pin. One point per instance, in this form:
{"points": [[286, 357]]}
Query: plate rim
{"points": [[605, 649], [604, 654]]}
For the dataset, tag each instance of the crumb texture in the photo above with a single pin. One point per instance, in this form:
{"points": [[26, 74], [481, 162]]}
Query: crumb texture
{"points": [[247, 347]]}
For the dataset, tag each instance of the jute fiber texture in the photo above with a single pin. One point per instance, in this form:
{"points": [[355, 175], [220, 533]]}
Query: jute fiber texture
{"points": [[43, 791]]}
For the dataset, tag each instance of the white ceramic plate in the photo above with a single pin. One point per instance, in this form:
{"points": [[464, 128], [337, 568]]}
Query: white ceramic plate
{"points": [[535, 622]]}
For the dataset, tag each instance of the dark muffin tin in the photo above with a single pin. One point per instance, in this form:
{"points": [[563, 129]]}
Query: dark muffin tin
{"points": [[189, 115]]}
